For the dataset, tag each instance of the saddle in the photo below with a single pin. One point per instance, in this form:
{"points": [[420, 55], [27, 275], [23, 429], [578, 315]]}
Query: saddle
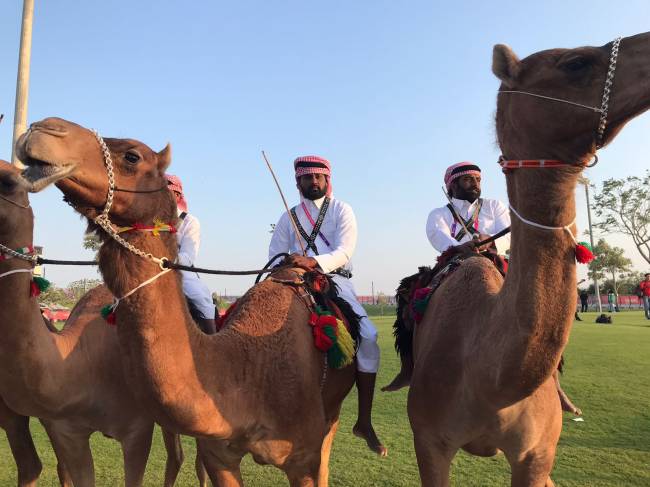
{"points": [[335, 325], [414, 292]]}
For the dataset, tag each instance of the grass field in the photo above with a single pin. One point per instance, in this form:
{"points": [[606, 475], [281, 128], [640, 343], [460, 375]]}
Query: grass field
{"points": [[607, 375]]}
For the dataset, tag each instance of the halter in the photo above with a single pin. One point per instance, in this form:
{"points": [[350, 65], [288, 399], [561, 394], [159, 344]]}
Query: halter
{"points": [[25, 207], [103, 220], [22, 254], [604, 105]]}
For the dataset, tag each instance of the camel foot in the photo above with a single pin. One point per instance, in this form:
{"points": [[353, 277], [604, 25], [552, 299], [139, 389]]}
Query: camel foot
{"points": [[368, 433], [400, 381]]}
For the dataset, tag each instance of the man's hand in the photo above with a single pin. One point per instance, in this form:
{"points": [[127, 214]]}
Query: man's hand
{"points": [[482, 237], [297, 260]]}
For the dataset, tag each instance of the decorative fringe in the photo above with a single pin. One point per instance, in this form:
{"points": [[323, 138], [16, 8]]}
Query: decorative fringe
{"points": [[37, 285], [331, 336], [584, 253], [108, 313]]}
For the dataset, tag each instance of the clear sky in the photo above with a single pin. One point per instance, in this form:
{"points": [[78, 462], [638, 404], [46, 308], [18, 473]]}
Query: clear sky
{"points": [[390, 92]]}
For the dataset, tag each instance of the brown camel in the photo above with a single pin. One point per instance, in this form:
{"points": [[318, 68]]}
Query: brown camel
{"points": [[255, 387], [72, 380], [486, 349]]}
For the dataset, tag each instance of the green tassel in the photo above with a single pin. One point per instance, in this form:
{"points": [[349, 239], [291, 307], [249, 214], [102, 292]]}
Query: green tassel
{"points": [[420, 305], [107, 310], [41, 283], [585, 244], [335, 358], [320, 311]]}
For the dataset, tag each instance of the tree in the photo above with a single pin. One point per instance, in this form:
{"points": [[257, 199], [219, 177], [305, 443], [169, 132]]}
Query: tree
{"points": [[623, 206], [76, 289], [91, 241], [609, 262]]}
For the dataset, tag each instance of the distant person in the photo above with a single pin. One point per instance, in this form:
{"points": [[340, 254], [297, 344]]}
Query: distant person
{"points": [[644, 286], [584, 300], [611, 300], [188, 236]]}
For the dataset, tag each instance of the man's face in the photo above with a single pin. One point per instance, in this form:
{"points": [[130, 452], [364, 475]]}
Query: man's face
{"points": [[313, 186], [647, 277], [467, 187]]}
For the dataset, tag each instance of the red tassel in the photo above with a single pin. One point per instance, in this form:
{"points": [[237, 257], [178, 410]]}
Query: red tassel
{"points": [[34, 290], [111, 319], [583, 254]]}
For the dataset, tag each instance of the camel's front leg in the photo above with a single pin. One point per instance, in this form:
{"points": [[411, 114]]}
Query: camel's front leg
{"points": [[22, 447], [72, 448], [135, 449], [175, 456], [221, 463], [434, 460]]}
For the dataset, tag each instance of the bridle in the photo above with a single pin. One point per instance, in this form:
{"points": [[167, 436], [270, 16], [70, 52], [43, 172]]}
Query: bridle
{"points": [[103, 219], [604, 105], [508, 165], [19, 205]]}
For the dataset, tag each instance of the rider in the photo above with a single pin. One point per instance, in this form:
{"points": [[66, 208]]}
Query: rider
{"points": [[188, 236], [329, 231]]}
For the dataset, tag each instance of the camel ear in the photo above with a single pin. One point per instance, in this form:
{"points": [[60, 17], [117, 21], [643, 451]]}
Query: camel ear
{"points": [[165, 158], [505, 64]]}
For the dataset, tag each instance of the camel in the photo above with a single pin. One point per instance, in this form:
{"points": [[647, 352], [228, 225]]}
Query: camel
{"points": [[486, 349], [258, 386], [71, 380]]}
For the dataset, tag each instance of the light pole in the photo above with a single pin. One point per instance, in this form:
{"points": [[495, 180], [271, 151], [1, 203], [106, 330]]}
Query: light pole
{"points": [[22, 81], [584, 181]]}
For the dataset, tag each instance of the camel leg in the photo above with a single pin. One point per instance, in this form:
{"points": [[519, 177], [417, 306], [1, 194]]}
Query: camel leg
{"points": [[201, 473], [532, 469], [303, 475], [22, 447], [135, 450], [72, 448], [434, 462], [175, 456], [324, 470], [221, 463]]}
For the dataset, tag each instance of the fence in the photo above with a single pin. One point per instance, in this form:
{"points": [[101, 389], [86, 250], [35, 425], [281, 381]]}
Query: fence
{"points": [[624, 301]]}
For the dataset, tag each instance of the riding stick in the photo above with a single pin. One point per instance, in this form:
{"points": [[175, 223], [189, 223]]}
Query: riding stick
{"points": [[293, 223]]}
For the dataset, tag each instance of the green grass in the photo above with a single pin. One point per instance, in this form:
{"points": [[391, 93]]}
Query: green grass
{"points": [[607, 375]]}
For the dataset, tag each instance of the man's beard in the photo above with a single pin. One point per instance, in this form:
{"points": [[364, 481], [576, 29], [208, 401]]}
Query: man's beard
{"points": [[314, 193], [467, 195]]}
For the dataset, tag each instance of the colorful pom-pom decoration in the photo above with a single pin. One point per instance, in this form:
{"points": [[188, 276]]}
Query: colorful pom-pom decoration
{"points": [[584, 253]]}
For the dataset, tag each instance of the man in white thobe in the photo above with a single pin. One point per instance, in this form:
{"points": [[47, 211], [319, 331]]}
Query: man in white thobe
{"points": [[329, 233], [188, 236]]}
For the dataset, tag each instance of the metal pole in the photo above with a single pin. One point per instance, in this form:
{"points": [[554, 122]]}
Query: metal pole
{"points": [[22, 82], [585, 181]]}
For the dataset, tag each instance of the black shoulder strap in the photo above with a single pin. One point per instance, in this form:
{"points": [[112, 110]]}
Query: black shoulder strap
{"points": [[469, 223], [311, 239], [182, 215]]}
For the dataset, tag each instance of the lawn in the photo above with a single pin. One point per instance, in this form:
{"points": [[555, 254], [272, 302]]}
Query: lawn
{"points": [[607, 374]]}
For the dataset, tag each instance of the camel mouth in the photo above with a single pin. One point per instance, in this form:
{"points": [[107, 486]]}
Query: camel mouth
{"points": [[40, 174]]}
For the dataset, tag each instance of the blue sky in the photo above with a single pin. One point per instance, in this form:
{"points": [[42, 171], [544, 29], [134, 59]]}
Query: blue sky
{"points": [[390, 92]]}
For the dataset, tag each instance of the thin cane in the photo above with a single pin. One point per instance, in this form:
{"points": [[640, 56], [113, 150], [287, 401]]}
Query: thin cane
{"points": [[293, 223]]}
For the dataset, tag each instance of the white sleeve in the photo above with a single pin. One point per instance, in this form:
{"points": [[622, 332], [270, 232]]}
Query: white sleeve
{"points": [[280, 241], [189, 242], [439, 232], [501, 221], [344, 243]]}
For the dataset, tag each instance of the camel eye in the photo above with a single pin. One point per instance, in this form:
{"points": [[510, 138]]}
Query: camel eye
{"points": [[132, 157], [576, 64]]}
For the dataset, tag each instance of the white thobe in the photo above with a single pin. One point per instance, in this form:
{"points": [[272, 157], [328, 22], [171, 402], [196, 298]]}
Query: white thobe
{"points": [[188, 236], [493, 217], [339, 229]]}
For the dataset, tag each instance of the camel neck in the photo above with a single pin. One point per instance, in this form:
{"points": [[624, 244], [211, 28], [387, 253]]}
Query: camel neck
{"points": [[539, 294], [169, 360]]}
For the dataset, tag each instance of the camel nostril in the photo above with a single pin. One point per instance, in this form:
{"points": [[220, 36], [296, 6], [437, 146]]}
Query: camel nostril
{"points": [[50, 127]]}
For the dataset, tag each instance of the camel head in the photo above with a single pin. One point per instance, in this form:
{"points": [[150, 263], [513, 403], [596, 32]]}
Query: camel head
{"points": [[16, 217], [531, 126], [57, 151]]}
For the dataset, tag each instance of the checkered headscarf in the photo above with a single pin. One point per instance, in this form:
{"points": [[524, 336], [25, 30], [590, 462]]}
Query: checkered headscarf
{"points": [[313, 165], [455, 171], [174, 184]]}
